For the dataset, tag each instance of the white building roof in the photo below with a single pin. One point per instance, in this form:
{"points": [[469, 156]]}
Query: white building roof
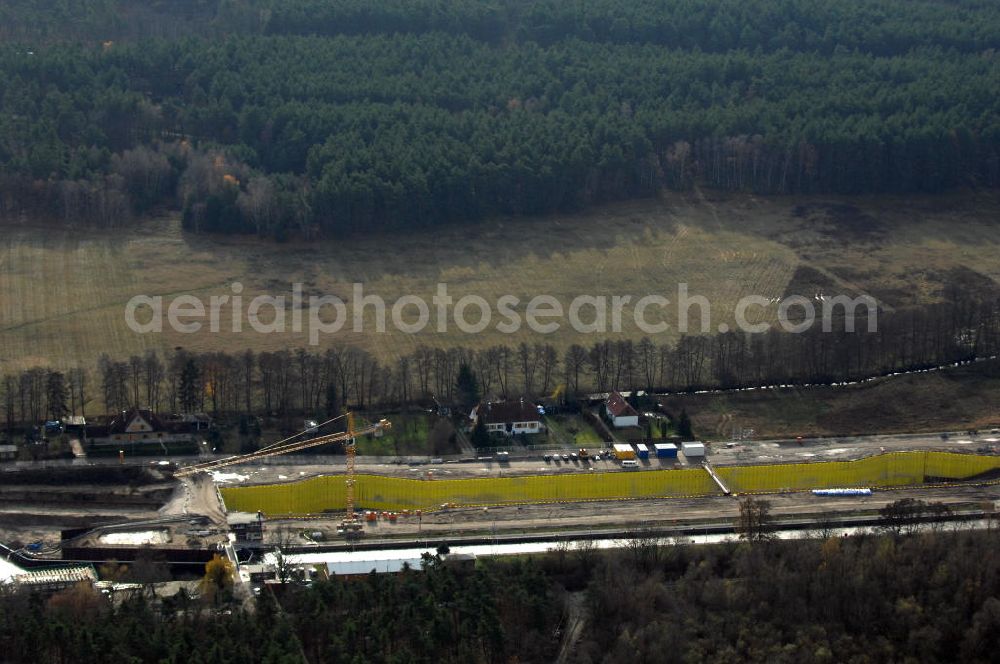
{"points": [[8, 571], [66, 575], [390, 566]]}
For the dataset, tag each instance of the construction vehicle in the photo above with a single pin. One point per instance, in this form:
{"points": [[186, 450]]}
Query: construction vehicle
{"points": [[351, 526]]}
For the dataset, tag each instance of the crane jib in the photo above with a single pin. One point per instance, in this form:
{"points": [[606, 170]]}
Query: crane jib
{"points": [[349, 438]]}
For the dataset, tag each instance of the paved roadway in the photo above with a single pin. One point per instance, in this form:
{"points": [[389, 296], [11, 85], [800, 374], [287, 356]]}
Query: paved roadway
{"points": [[841, 448], [773, 451]]}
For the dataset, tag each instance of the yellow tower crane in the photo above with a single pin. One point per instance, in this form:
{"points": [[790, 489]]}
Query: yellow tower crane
{"points": [[351, 525]]}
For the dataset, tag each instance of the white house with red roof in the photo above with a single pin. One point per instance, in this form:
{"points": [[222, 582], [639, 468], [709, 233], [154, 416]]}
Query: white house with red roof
{"points": [[509, 418], [620, 412]]}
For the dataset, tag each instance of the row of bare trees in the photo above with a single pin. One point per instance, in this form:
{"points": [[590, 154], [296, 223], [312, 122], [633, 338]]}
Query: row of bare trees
{"points": [[37, 394], [300, 381]]}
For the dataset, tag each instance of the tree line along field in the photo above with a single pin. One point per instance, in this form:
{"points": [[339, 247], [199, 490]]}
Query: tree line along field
{"points": [[306, 118], [63, 292]]}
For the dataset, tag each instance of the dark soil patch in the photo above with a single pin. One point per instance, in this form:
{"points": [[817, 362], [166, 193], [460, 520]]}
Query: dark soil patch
{"points": [[851, 219], [808, 281], [965, 283], [841, 222], [86, 497], [114, 475], [860, 416], [888, 295]]}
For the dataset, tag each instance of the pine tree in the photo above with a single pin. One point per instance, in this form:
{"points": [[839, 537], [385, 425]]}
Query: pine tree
{"points": [[55, 389], [684, 426], [480, 436], [190, 386], [467, 387], [331, 399]]}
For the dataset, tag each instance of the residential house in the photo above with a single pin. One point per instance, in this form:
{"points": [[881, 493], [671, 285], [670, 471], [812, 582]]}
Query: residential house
{"points": [[509, 418], [141, 425], [75, 425], [620, 412]]}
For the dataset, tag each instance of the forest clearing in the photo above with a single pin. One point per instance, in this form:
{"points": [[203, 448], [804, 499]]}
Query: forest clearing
{"points": [[63, 292]]}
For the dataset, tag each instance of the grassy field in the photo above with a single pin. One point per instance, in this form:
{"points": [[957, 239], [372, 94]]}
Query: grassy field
{"points": [[416, 433], [569, 429], [63, 292], [961, 398], [411, 434]]}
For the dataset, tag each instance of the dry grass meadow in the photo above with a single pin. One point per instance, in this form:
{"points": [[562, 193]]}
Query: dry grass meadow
{"points": [[63, 292], [957, 398]]}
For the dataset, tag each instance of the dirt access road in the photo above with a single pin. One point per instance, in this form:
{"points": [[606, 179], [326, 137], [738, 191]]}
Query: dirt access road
{"points": [[196, 495]]}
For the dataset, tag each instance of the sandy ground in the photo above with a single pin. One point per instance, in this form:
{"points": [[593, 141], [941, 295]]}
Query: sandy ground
{"points": [[53, 508], [197, 495]]}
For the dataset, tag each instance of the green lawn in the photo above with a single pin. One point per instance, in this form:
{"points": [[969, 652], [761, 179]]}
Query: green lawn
{"points": [[412, 433], [655, 432], [573, 430]]}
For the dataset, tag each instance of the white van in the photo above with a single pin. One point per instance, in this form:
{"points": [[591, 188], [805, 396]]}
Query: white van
{"points": [[629, 464]]}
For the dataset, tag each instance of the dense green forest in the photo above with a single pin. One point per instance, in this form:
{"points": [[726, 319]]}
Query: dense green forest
{"points": [[499, 614], [308, 116], [867, 598]]}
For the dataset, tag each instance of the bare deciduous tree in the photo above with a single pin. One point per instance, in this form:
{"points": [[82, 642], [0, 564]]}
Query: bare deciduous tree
{"points": [[754, 521]]}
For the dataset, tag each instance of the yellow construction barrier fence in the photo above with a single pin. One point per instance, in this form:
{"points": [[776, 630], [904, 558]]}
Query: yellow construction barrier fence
{"points": [[326, 493]]}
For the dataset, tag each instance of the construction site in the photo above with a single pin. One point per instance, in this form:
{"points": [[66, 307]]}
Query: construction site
{"points": [[282, 497], [514, 498]]}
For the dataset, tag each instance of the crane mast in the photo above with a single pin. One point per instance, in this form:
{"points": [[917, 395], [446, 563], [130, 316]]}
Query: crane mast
{"points": [[350, 525]]}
